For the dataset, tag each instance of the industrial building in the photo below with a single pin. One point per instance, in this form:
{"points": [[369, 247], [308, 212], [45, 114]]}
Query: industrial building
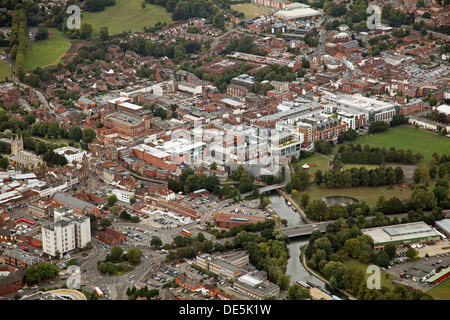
{"points": [[402, 234], [298, 13]]}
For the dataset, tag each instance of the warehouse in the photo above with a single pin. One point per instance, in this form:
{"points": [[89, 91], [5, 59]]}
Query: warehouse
{"points": [[443, 226], [402, 234], [298, 14]]}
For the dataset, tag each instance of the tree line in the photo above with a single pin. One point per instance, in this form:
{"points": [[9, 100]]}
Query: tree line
{"points": [[422, 199], [18, 42], [359, 177], [376, 155]]}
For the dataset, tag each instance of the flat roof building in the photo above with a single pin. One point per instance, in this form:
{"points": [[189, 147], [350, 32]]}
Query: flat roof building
{"points": [[255, 288], [402, 234], [297, 14]]}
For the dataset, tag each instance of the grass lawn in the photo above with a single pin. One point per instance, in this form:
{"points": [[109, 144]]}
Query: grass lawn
{"points": [[367, 166], [369, 195], [126, 15], [386, 278], [249, 10], [441, 292], [320, 161], [46, 52], [5, 70], [406, 137]]}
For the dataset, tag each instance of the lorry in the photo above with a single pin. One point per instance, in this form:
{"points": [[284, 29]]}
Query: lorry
{"points": [[98, 291]]}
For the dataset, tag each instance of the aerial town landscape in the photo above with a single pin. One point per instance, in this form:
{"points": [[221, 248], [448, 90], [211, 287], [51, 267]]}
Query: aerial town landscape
{"points": [[221, 150]]}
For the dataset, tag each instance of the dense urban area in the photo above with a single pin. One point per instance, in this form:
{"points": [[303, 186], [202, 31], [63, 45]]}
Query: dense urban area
{"points": [[224, 150]]}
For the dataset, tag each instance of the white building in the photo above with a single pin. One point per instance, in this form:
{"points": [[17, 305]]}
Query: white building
{"points": [[71, 154], [123, 195], [374, 110], [190, 87], [66, 233]]}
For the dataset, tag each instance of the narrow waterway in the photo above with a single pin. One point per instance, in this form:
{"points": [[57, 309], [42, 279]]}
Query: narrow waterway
{"points": [[294, 266]]}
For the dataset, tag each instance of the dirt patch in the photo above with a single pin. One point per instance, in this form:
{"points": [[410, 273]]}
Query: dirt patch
{"points": [[73, 50]]}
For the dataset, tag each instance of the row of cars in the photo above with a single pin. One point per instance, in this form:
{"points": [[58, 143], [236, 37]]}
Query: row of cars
{"points": [[166, 274]]}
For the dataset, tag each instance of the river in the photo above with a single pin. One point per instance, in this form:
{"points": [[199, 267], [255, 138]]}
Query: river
{"points": [[294, 267]]}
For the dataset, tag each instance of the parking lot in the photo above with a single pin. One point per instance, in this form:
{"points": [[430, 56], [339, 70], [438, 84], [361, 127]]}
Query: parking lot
{"points": [[403, 268]]}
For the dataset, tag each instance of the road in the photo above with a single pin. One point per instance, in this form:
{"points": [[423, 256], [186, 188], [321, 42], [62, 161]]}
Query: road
{"points": [[42, 99]]}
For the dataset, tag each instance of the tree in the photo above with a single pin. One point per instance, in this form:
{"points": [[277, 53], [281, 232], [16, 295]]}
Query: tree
{"points": [[4, 163], [219, 20], [112, 199], [411, 253], [316, 209], [245, 183], [297, 292], [94, 5], [353, 247], [417, 175], [42, 32], [378, 126], [103, 33], [86, 31], [134, 256], [116, 253], [156, 242], [423, 199], [75, 133], [178, 15], [88, 135], [301, 180]]}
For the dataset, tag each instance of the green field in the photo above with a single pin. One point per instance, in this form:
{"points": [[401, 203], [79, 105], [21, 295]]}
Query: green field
{"points": [[126, 15], [5, 70], [406, 137], [441, 292], [385, 279], [369, 195], [249, 10], [46, 52]]}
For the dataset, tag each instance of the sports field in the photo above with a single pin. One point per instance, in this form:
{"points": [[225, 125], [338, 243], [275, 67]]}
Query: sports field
{"points": [[46, 52], [249, 10], [441, 292], [406, 137], [126, 15]]}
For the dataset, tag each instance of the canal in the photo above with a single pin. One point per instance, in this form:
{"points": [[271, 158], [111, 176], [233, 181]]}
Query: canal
{"points": [[294, 266]]}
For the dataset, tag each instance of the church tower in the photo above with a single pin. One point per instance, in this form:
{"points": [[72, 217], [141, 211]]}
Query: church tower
{"points": [[16, 144]]}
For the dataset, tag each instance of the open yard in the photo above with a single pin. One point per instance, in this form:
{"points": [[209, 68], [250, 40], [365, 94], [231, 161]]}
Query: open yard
{"points": [[46, 52], [249, 10], [406, 137], [440, 292], [385, 279], [126, 15], [5, 70]]}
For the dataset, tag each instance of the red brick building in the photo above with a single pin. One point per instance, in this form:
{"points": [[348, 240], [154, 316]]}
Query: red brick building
{"points": [[111, 237], [11, 280], [411, 107]]}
